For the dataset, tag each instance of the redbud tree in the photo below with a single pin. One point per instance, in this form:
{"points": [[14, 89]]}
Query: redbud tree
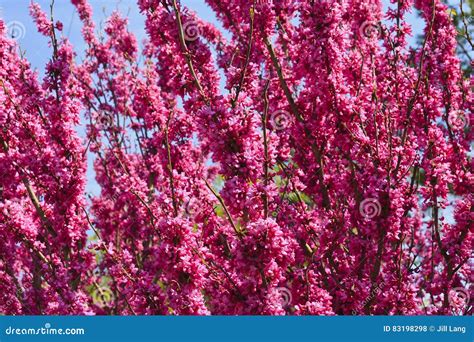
{"points": [[306, 159]]}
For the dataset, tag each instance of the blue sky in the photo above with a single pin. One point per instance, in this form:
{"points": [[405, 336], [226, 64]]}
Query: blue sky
{"points": [[15, 13]]}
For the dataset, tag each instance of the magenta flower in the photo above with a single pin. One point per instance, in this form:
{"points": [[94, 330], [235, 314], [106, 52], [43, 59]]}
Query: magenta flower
{"points": [[313, 163]]}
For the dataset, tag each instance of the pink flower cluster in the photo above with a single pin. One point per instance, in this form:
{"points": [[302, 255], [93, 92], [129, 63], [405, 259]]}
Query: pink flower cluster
{"points": [[311, 164]]}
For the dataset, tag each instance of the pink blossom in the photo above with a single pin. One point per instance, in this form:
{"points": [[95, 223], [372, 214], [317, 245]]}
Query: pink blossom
{"points": [[308, 164]]}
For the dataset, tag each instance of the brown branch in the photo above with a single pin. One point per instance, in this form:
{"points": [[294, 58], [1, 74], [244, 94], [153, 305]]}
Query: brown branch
{"points": [[466, 30], [265, 147], [229, 217], [281, 77], [247, 59], [411, 102], [294, 108], [33, 197], [170, 166], [186, 52]]}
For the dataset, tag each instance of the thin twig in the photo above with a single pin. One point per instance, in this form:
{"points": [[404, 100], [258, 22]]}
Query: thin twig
{"points": [[265, 147], [186, 52], [294, 108], [229, 217], [247, 58], [170, 166]]}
